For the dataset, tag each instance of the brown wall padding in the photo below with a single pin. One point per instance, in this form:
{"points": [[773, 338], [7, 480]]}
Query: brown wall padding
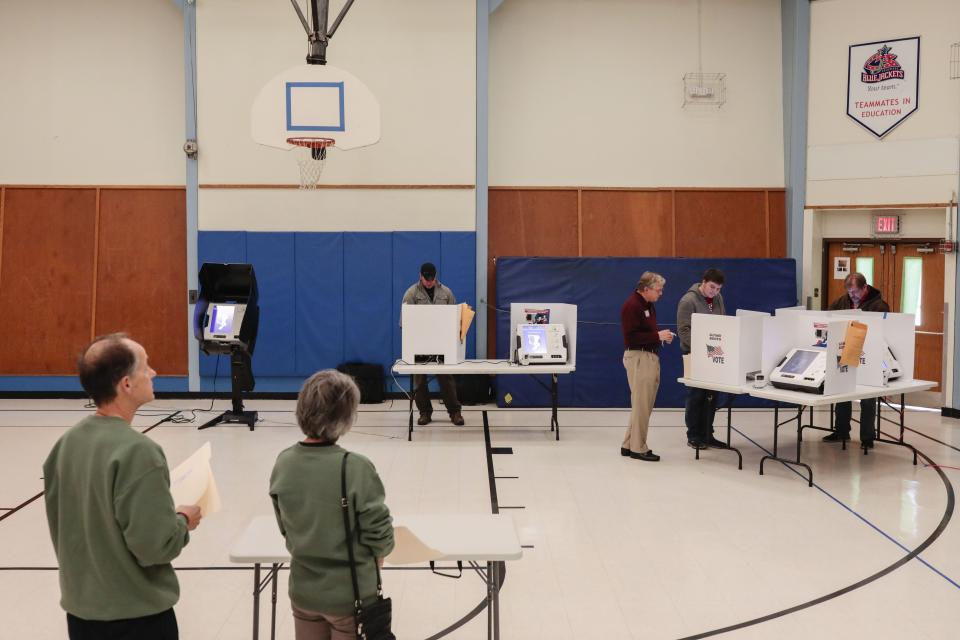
{"points": [[627, 223], [623, 222], [46, 280], [721, 224], [142, 272], [778, 224]]}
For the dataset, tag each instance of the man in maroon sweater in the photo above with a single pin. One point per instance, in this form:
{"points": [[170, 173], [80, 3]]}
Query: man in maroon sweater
{"points": [[641, 340]]}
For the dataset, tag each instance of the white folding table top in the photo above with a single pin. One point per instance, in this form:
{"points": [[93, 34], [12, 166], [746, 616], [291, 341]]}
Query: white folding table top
{"points": [[861, 392], [715, 386], [494, 367], [466, 537]]}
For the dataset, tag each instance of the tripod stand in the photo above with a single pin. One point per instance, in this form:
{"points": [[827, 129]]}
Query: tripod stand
{"points": [[241, 379]]}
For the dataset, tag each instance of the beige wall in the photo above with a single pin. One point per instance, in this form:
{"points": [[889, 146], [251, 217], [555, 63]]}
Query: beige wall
{"points": [[916, 163], [417, 56], [590, 93], [92, 93]]}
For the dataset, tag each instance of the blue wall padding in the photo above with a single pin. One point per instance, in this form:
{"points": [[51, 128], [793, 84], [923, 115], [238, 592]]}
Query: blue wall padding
{"points": [[272, 257], [319, 301], [458, 257], [368, 298], [329, 298], [599, 286]]}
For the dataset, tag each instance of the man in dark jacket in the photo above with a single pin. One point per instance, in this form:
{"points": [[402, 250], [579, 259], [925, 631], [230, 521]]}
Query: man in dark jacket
{"points": [[701, 405], [860, 295]]}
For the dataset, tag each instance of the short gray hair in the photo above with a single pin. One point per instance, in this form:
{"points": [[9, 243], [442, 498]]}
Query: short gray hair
{"points": [[649, 280], [327, 405]]}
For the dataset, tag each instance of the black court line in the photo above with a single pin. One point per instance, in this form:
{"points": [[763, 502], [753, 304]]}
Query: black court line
{"points": [[506, 451], [506, 477], [28, 501], [947, 515], [920, 433], [495, 508]]}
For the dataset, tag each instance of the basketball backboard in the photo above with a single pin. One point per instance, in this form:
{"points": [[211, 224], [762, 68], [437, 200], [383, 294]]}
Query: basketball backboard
{"points": [[315, 100]]}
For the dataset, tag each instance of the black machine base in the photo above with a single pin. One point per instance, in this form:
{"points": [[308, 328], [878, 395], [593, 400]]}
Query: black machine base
{"points": [[248, 418]]}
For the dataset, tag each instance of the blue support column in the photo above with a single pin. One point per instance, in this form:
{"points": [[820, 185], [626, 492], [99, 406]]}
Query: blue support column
{"points": [[795, 23], [482, 179], [192, 181]]}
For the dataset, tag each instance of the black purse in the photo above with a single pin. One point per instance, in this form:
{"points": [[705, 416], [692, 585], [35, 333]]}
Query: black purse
{"points": [[373, 622]]}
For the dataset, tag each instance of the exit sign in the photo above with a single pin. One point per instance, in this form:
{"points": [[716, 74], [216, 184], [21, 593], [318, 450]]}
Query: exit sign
{"points": [[886, 225]]}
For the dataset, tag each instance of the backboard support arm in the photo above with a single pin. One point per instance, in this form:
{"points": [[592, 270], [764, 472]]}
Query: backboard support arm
{"points": [[317, 34]]}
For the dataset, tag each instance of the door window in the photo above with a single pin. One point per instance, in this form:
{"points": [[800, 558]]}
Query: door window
{"points": [[865, 266], [911, 288]]}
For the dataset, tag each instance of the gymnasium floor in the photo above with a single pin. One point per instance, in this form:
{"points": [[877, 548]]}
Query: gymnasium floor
{"points": [[617, 548]]}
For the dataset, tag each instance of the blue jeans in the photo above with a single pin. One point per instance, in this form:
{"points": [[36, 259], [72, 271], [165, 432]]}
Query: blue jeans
{"points": [[868, 419], [701, 407]]}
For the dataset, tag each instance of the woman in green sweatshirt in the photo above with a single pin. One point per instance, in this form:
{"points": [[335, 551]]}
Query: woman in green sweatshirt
{"points": [[305, 488]]}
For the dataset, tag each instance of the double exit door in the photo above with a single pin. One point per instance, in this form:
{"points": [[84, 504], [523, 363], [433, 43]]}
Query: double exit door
{"points": [[909, 275]]}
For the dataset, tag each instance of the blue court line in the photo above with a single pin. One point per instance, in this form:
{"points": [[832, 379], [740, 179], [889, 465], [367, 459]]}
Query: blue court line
{"points": [[842, 504]]}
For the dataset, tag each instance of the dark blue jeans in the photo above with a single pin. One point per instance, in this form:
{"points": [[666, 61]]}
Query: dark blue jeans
{"points": [[868, 419], [701, 407]]}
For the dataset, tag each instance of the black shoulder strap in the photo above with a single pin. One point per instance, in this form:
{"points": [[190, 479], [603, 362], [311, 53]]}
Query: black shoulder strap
{"points": [[345, 509]]}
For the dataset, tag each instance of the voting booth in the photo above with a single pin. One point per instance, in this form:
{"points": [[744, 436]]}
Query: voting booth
{"points": [[530, 345], [724, 349], [889, 350], [432, 333]]}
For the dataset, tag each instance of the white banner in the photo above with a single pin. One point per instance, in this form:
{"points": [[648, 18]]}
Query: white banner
{"points": [[882, 83]]}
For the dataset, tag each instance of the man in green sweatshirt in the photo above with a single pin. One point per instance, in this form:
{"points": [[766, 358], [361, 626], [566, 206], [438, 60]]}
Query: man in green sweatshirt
{"points": [[112, 520]]}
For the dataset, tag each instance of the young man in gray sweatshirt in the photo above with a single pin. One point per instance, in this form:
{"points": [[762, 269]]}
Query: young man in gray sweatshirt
{"points": [[701, 405]]}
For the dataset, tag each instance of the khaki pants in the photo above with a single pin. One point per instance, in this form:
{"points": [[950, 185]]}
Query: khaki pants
{"points": [[310, 625], [643, 375]]}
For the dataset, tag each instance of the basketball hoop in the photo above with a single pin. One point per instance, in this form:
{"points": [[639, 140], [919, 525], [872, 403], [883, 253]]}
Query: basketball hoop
{"points": [[311, 156]]}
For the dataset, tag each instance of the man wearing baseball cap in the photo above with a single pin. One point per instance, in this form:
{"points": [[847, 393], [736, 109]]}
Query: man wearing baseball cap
{"points": [[429, 290]]}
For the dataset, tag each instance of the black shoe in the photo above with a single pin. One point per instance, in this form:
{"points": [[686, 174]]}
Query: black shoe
{"points": [[423, 419], [649, 456], [716, 444], [457, 419], [866, 444], [625, 452], [696, 444], [836, 436]]}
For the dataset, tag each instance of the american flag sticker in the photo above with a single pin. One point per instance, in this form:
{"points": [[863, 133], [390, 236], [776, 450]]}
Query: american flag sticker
{"points": [[714, 352]]}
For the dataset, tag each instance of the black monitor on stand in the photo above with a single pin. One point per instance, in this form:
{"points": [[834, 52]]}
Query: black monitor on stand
{"points": [[225, 322]]}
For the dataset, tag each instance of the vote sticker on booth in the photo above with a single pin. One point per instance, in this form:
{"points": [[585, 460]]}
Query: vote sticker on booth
{"points": [[715, 353]]}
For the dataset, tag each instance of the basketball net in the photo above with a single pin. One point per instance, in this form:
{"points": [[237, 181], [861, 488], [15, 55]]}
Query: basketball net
{"points": [[311, 156]]}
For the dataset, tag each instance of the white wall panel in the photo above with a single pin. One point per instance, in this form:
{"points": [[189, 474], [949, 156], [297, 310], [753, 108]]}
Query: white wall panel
{"points": [[590, 93], [337, 210], [93, 92]]}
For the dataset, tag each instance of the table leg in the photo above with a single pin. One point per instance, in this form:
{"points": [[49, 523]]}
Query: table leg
{"points": [[256, 601], [490, 600], [273, 603], [554, 398], [496, 600], [410, 417], [776, 429]]}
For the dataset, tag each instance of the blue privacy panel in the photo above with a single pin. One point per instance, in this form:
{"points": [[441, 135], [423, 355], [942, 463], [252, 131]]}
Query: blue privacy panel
{"points": [[599, 286], [272, 257], [319, 301], [368, 298], [224, 247], [329, 298]]}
